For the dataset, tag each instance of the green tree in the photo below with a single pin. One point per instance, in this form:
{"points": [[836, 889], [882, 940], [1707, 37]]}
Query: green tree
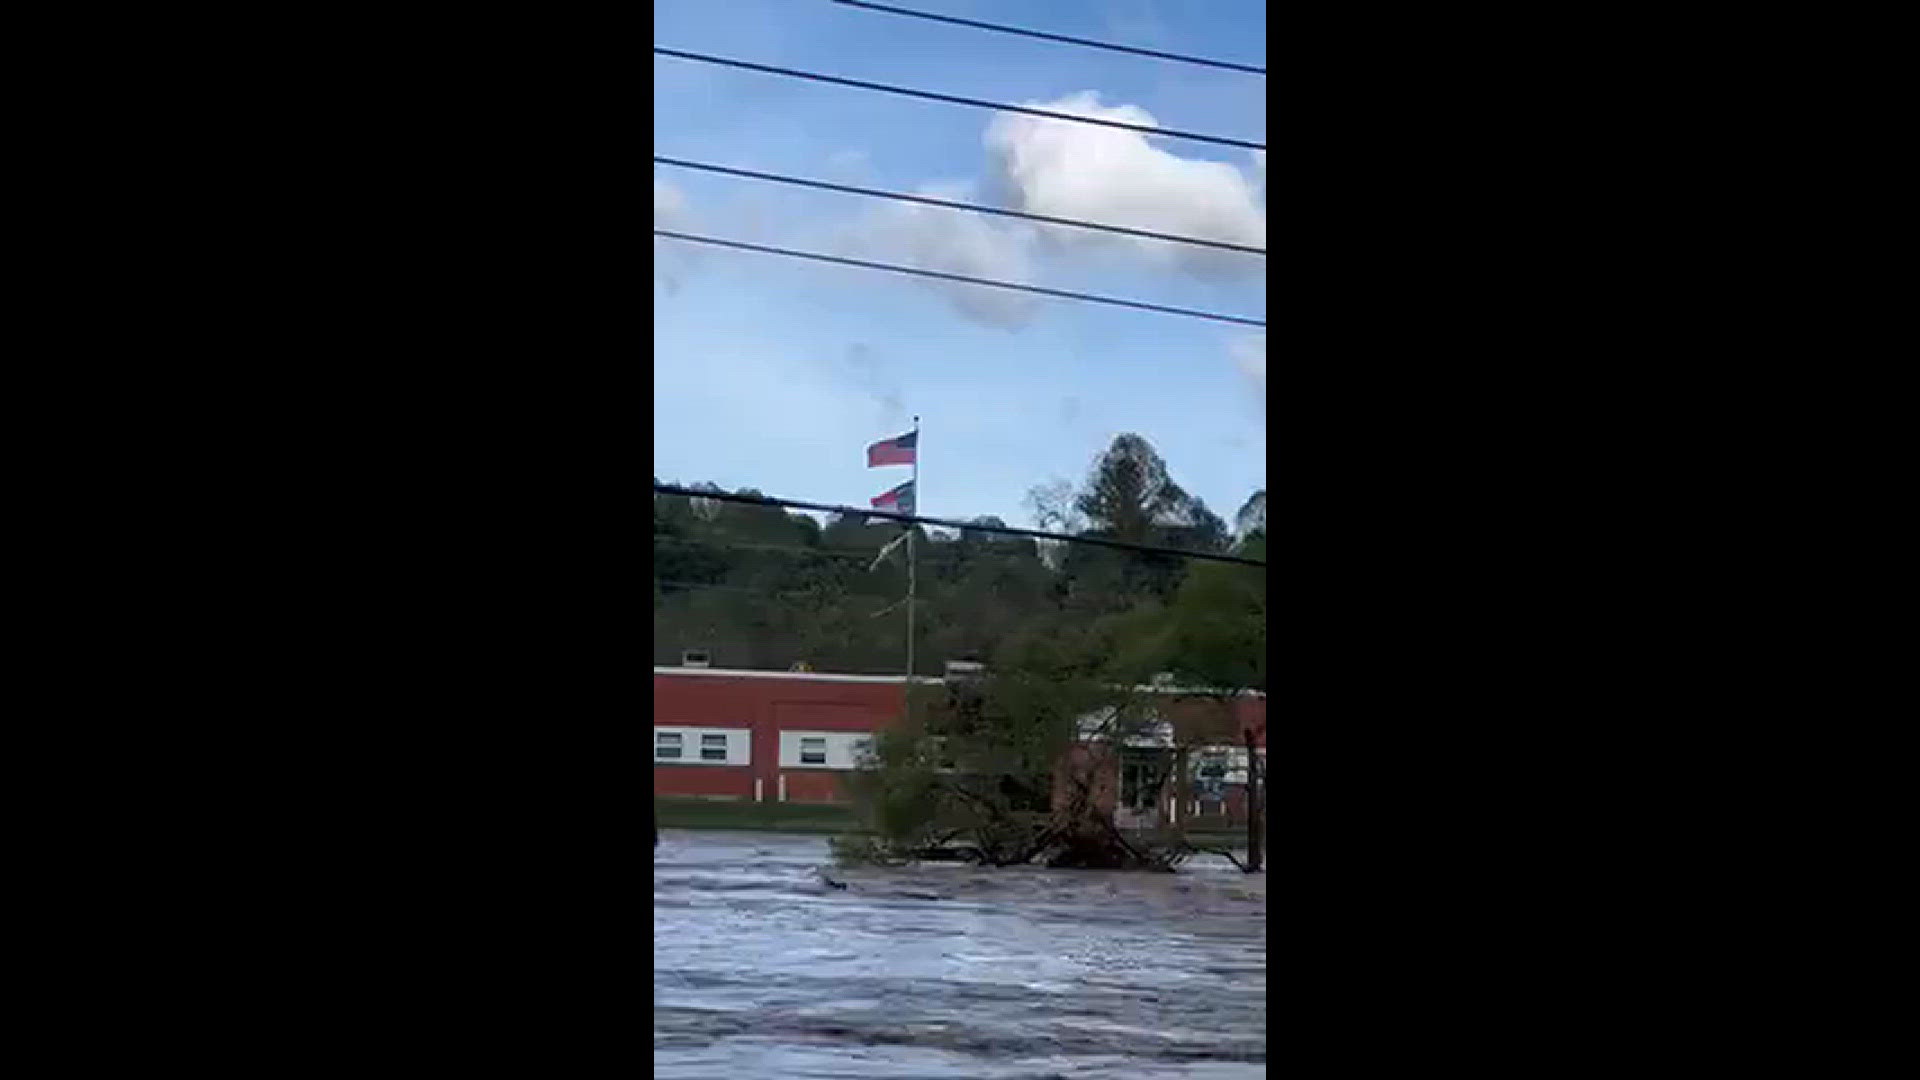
{"points": [[1128, 495]]}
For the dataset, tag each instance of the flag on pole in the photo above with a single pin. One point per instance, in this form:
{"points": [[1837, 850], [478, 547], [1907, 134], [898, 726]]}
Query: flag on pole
{"points": [[895, 451], [899, 500]]}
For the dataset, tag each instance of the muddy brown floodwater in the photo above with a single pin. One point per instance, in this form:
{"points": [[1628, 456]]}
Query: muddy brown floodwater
{"points": [[761, 969]]}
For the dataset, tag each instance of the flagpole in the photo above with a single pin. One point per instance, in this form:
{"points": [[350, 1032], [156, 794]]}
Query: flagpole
{"points": [[912, 577]]}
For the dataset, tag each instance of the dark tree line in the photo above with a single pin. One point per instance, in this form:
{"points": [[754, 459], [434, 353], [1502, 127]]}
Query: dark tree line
{"points": [[759, 587]]}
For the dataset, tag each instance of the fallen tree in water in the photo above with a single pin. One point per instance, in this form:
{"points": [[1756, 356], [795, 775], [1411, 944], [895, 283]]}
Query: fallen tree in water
{"points": [[986, 774], [1021, 762]]}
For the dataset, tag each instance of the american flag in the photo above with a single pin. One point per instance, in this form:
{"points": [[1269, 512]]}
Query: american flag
{"points": [[900, 499], [895, 451]]}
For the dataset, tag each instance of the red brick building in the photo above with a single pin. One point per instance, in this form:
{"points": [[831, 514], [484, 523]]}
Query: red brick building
{"points": [[1191, 762], [775, 736], [767, 736]]}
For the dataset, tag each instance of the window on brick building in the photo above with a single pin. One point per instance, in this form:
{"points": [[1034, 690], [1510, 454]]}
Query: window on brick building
{"points": [[713, 748], [813, 751], [666, 744]]}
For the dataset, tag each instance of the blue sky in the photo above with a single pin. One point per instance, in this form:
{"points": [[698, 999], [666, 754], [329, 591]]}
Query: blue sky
{"points": [[775, 374]]}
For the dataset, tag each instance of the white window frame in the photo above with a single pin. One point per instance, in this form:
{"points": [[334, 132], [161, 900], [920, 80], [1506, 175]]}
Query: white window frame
{"points": [[692, 742], [843, 749], [1234, 757], [678, 744]]}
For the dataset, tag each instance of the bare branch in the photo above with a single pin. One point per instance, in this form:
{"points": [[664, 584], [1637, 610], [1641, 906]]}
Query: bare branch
{"points": [[1220, 851]]}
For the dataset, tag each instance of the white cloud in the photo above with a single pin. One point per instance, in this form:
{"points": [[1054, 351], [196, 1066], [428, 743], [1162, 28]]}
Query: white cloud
{"points": [[1118, 177], [953, 242]]}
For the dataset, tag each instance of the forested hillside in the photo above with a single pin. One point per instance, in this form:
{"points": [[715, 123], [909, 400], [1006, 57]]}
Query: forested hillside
{"points": [[758, 587]]}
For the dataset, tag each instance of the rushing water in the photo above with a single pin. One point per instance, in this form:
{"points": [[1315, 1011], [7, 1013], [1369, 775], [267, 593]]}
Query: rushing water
{"points": [[762, 969]]}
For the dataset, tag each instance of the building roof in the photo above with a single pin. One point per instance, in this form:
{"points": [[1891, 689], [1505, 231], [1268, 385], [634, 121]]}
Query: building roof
{"points": [[797, 676], [827, 676]]}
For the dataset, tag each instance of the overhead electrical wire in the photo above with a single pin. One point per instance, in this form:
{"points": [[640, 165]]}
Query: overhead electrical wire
{"points": [[942, 275], [758, 591], [1045, 36], [953, 99], [762, 500], [797, 549], [969, 526], [841, 594], [704, 585], [800, 181]]}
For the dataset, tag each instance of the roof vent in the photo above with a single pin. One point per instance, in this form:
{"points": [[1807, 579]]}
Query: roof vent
{"points": [[695, 658]]}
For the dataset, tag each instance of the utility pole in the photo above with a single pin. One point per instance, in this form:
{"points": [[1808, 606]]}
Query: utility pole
{"points": [[912, 582], [1256, 832]]}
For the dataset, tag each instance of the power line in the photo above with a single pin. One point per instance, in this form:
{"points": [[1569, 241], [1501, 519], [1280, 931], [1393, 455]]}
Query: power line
{"points": [[797, 548], [1044, 36], [766, 590], [939, 551], [944, 276], [953, 99], [705, 585], [853, 623], [839, 595], [850, 189], [913, 519]]}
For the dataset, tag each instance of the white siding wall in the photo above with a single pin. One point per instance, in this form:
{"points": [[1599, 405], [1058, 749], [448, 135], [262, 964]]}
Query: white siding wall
{"points": [[843, 748], [739, 745]]}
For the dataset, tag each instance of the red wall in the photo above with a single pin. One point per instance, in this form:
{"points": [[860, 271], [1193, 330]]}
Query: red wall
{"points": [[768, 703], [703, 781], [1190, 715], [813, 786]]}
